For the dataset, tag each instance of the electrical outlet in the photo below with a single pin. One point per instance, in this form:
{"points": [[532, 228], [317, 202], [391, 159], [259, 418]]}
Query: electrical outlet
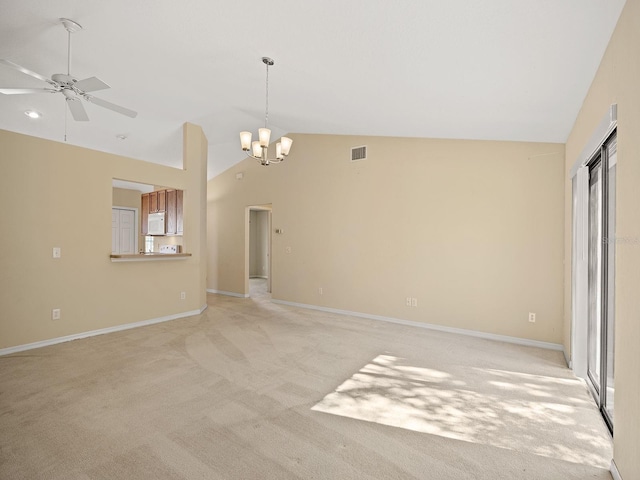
{"points": [[414, 302], [183, 295], [532, 317], [408, 302], [55, 314]]}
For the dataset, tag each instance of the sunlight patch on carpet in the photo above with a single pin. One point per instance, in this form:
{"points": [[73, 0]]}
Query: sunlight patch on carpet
{"points": [[494, 407]]}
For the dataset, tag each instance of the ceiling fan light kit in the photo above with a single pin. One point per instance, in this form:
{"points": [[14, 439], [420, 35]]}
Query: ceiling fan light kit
{"points": [[258, 149], [73, 89]]}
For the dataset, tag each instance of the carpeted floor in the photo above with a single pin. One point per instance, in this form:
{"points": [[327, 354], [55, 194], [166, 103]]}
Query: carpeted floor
{"points": [[254, 390]]}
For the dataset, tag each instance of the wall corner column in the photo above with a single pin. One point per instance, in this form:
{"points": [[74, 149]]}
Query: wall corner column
{"points": [[195, 150]]}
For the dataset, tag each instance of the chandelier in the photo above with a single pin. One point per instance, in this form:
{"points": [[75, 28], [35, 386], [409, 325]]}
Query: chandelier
{"points": [[258, 149]]}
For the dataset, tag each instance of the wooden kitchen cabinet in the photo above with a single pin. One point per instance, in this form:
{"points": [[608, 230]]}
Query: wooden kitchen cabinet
{"points": [[157, 201], [144, 216], [168, 201], [153, 202], [171, 212], [162, 200]]}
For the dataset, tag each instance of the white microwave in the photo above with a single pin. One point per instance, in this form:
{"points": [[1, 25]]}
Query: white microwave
{"points": [[155, 224]]}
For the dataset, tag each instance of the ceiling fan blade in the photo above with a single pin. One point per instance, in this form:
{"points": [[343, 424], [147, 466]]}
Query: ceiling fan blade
{"points": [[78, 112], [91, 84], [111, 106], [20, 91], [25, 70]]}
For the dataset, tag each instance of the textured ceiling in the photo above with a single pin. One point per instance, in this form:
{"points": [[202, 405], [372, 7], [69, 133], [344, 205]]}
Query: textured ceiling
{"points": [[482, 69]]}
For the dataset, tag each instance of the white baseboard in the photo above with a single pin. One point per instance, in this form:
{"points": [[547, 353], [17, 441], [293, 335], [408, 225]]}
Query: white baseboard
{"points": [[567, 359], [431, 326], [101, 331], [614, 471], [230, 294]]}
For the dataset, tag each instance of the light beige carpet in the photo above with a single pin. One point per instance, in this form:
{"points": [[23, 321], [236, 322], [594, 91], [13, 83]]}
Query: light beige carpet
{"points": [[254, 390]]}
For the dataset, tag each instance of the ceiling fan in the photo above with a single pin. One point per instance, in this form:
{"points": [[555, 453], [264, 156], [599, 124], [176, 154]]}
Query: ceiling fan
{"points": [[72, 88]]}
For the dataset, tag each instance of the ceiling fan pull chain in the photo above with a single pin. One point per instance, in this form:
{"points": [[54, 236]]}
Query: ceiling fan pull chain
{"points": [[65, 121]]}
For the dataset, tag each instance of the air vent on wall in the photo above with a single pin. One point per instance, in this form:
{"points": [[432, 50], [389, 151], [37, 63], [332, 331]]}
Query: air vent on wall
{"points": [[359, 153]]}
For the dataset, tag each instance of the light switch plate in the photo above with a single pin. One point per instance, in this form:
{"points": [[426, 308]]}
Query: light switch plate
{"points": [[57, 252]]}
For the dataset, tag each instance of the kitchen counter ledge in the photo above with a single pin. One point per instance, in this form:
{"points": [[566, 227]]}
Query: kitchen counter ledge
{"points": [[146, 257]]}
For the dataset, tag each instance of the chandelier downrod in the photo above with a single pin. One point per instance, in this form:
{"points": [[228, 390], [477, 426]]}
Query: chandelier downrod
{"points": [[268, 62]]}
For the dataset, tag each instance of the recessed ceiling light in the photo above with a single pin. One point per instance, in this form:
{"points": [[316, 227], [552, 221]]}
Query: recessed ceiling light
{"points": [[32, 114]]}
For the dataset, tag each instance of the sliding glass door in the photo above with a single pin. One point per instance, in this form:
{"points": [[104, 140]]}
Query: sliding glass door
{"points": [[601, 278], [594, 332], [609, 321]]}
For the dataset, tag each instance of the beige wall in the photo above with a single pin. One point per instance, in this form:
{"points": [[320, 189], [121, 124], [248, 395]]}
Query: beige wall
{"points": [[58, 195], [472, 229], [124, 197], [618, 81]]}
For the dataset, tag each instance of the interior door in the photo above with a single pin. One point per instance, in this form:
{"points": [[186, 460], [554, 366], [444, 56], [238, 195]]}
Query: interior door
{"points": [[127, 232], [115, 230], [123, 231]]}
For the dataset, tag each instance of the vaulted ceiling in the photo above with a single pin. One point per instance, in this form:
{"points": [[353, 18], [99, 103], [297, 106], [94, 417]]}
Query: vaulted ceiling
{"points": [[481, 69]]}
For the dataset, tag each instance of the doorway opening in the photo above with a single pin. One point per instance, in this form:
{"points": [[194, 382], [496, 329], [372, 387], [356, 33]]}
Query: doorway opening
{"points": [[258, 251]]}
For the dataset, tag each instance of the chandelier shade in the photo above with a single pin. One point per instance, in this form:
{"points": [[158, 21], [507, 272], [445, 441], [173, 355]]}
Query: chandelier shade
{"points": [[264, 134], [245, 140]]}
